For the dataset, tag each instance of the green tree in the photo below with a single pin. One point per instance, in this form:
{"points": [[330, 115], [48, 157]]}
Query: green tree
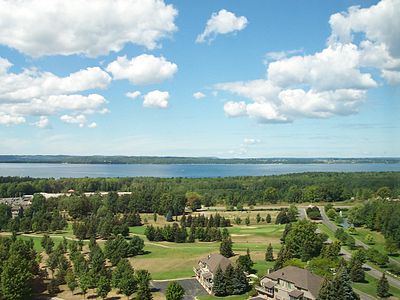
{"points": [[258, 218], [303, 240], [84, 283], [124, 278], [143, 279], [247, 221], [52, 287], [269, 254], [47, 243], [239, 281], [390, 246], [356, 270], [71, 281], [103, 287], [382, 290], [226, 247], [369, 239], [174, 291], [268, 218], [16, 278], [219, 287]]}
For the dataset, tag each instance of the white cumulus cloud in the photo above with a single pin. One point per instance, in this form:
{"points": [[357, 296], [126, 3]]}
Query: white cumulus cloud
{"points": [[143, 69], [43, 122], [133, 95], [198, 95], [92, 125], [235, 109], [331, 82], [6, 119], [87, 27], [36, 93], [222, 22], [79, 119], [156, 99]]}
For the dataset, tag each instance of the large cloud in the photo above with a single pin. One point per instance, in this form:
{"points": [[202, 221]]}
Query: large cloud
{"points": [[143, 69], [86, 27], [34, 93], [379, 23], [331, 82], [222, 22]]}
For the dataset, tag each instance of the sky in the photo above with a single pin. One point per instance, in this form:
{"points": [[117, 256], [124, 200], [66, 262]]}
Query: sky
{"points": [[216, 78]]}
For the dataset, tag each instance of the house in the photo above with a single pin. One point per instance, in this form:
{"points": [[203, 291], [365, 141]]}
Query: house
{"points": [[290, 283], [207, 268]]}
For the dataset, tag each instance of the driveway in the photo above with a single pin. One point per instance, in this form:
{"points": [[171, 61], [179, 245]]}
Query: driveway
{"points": [[192, 287]]}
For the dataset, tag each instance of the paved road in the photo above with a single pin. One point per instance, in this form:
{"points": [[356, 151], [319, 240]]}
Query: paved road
{"points": [[192, 287], [347, 255]]}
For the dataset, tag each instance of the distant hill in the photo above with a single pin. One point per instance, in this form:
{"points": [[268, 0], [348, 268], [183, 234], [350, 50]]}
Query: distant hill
{"points": [[98, 159]]}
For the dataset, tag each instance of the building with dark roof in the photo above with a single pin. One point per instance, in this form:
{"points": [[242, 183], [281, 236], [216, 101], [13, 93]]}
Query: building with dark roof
{"points": [[207, 267], [290, 283]]}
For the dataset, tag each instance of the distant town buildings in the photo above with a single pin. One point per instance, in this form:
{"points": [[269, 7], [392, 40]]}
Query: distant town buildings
{"points": [[17, 203], [290, 283]]}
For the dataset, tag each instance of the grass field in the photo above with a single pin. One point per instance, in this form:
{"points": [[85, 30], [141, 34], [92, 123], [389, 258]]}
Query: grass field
{"points": [[167, 260], [369, 287], [238, 297]]}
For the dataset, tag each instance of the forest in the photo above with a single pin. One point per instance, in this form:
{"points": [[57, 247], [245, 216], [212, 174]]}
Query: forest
{"points": [[293, 188]]}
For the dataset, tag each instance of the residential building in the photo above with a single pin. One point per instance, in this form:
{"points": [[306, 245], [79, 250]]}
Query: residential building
{"points": [[207, 267], [290, 283]]}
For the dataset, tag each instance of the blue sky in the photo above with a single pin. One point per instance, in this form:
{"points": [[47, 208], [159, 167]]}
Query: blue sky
{"points": [[207, 78]]}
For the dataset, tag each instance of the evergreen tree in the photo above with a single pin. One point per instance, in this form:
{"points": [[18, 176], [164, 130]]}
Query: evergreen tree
{"points": [[219, 287], [124, 278], [327, 291], [356, 270], [342, 285], [382, 290], [103, 287], [268, 218], [247, 221], [239, 281], [52, 287], [283, 256], [143, 279], [47, 243], [258, 218], [226, 247], [229, 274], [269, 254], [84, 283], [71, 281], [174, 291]]}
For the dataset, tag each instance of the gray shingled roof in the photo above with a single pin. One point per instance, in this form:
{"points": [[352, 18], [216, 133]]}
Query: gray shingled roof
{"points": [[301, 278], [215, 260]]}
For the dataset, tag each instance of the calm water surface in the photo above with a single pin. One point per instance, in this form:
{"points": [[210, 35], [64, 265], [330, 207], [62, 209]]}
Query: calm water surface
{"points": [[181, 170]]}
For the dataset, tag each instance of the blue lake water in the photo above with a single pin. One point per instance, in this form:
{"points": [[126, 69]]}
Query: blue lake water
{"points": [[180, 170]]}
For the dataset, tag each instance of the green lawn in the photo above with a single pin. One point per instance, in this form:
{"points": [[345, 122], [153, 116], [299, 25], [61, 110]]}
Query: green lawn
{"points": [[362, 232], [369, 287]]}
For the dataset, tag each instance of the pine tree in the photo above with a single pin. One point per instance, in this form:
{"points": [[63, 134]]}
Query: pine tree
{"points": [[239, 281], [342, 285], [219, 287], [382, 290], [269, 254], [103, 287], [226, 247], [356, 270], [327, 292], [229, 275], [71, 281], [174, 291], [143, 279], [283, 256], [268, 218]]}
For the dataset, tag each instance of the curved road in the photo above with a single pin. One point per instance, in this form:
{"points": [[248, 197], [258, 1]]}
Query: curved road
{"points": [[370, 270]]}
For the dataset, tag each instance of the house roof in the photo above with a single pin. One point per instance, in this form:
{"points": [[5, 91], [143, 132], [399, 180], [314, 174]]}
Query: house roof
{"points": [[215, 260], [301, 278], [296, 293], [269, 284]]}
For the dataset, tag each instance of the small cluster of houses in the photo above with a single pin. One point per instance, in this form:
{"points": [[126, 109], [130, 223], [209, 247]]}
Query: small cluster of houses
{"points": [[17, 203], [288, 283]]}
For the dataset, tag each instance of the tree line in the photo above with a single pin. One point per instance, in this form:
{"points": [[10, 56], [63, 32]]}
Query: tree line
{"points": [[155, 193]]}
